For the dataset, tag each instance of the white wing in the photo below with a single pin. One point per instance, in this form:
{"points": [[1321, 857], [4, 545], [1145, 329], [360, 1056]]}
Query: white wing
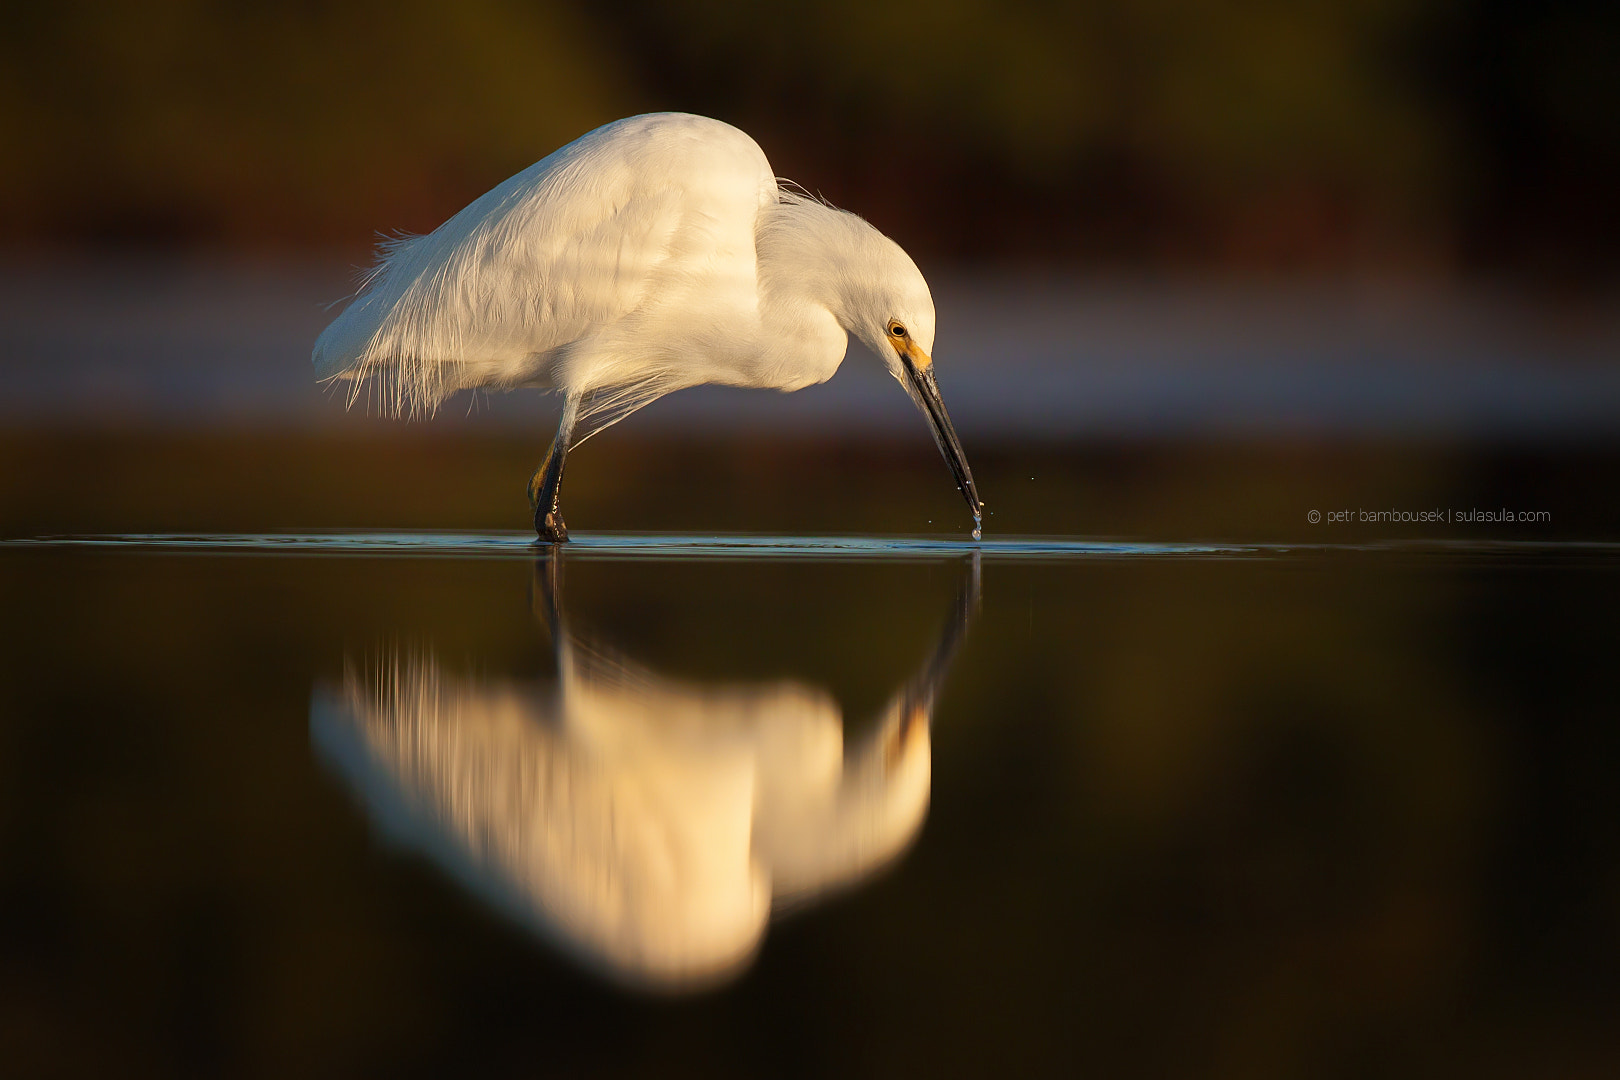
{"points": [[636, 855], [536, 281]]}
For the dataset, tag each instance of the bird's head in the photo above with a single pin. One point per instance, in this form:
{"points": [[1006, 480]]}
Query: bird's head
{"points": [[889, 306], [891, 310], [840, 263]]}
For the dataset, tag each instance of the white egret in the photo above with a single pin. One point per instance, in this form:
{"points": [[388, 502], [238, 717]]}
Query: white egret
{"points": [[649, 826], [650, 255]]}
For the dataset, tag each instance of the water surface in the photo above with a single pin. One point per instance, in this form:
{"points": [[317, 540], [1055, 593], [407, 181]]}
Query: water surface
{"points": [[738, 546], [804, 804]]}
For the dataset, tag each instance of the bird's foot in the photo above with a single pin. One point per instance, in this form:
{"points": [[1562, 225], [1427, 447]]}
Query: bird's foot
{"points": [[549, 527]]}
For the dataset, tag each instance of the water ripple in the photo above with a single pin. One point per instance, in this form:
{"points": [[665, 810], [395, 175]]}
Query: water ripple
{"points": [[741, 546]]}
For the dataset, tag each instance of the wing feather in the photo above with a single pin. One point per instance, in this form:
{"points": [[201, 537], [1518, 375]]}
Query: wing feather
{"points": [[556, 258]]}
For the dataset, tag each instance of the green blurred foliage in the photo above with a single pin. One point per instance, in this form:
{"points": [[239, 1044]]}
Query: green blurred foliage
{"points": [[1246, 130], [203, 118], [1170, 127], [1239, 91]]}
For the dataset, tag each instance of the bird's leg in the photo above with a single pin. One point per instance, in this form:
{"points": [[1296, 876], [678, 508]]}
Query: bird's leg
{"points": [[545, 596], [544, 489], [546, 484]]}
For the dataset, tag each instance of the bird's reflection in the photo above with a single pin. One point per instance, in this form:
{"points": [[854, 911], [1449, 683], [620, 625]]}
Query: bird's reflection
{"points": [[650, 825]]}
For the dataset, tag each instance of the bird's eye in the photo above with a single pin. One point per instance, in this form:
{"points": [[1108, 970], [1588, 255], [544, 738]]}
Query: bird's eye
{"points": [[897, 330]]}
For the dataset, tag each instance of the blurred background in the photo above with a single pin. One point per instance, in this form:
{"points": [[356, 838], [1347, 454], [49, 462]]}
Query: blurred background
{"points": [[1426, 135], [1331, 229]]}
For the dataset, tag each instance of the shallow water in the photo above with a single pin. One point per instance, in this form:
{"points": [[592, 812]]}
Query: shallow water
{"points": [[757, 804], [665, 547]]}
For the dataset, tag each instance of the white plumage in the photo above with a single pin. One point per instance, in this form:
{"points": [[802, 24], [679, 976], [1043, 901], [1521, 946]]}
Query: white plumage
{"points": [[652, 254], [650, 826]]}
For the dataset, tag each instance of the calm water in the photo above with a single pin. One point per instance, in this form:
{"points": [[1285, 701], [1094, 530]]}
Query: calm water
{"points": [[746, 805]]}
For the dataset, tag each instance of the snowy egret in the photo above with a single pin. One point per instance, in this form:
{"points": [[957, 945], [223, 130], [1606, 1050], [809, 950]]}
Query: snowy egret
{"points": [[650, 255], [648, 825]]}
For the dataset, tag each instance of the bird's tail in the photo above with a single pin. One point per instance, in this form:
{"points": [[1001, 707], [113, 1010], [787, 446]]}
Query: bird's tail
{"points": [[373, 344]]}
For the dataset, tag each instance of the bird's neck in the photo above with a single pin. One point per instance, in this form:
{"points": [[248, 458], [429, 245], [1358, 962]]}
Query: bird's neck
{"points": [[804, 310]]}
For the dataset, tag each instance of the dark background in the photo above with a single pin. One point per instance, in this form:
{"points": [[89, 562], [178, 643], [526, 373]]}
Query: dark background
{"points": [[1436, 134]]}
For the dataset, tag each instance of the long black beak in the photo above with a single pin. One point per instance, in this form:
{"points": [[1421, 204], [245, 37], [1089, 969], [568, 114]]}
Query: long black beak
{"points": [[916, 707], [926, 392]]}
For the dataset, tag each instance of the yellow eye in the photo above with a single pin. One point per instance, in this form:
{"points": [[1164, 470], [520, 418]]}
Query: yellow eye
{"points": [[897, 330]]}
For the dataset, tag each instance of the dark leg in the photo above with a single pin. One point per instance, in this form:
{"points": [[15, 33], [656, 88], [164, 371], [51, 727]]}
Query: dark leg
{"points": [[545, 595], [546, 484]]}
